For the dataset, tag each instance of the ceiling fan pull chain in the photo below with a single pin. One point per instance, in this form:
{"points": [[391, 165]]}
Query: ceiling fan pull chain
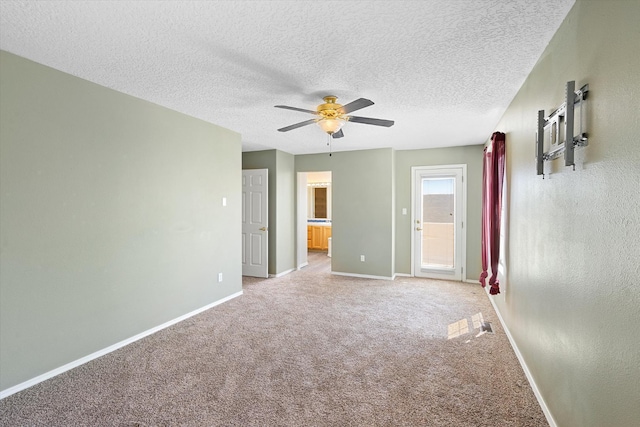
{"points": [[329, 138]]}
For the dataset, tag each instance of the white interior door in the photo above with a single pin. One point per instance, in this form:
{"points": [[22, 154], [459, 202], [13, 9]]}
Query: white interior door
{"points": [[255, 234], [438, 238]]}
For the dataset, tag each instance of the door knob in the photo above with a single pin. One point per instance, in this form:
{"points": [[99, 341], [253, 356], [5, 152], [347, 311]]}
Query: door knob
{"points": [[263, 229], [418, 229]]}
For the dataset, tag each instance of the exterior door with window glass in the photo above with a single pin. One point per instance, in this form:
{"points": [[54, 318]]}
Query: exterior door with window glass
{"points": [[438, 237]]}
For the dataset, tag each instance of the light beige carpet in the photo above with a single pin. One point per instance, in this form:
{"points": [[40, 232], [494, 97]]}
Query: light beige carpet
{"points": [[306, 349]]}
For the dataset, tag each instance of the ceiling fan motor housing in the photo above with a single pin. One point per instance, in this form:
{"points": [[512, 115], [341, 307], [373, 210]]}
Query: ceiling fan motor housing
{"points": [[330, 109]]}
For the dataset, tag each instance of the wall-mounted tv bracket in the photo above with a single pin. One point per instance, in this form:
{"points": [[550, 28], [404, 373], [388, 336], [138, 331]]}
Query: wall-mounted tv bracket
{"points": [[559, 125]]}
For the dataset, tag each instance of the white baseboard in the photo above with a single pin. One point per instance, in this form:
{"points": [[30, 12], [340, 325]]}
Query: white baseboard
{"points": [[402, 275], [525, 368], [301, 266], [363, 276], [99, 353], [284, 273]]}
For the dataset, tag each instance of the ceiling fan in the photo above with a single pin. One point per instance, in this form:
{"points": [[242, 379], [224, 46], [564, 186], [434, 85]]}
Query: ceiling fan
{"points": [[331, 116]]}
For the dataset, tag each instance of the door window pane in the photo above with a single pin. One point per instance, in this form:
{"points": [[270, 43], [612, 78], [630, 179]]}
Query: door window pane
{"points": [[438, 222]]}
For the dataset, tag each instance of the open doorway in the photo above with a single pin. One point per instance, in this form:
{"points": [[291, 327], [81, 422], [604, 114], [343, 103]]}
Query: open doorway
{"points": [[314, 218]]}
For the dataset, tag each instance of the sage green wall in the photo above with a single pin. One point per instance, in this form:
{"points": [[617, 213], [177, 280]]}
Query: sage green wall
{"points": [[281, 205], [471, 156], [111, 220], [362, 216], [572, 297]]}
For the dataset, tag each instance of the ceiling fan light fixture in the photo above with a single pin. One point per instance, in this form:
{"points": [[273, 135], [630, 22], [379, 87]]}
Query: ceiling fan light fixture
{"points": [[331, 126]]}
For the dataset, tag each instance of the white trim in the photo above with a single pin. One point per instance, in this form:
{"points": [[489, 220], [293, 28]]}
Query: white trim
{"points": [[301, 220], [525, 368], [464, 222], [47, 375], [364, 276], [284, 273], [413, 218], [475, 282], [402, 275], [300, 267]]}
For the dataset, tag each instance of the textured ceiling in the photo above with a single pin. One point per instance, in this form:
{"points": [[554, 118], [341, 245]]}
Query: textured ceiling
{"points": [[444, 70]]}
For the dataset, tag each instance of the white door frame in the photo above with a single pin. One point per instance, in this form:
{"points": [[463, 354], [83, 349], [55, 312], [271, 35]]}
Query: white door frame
{"points": [[461, 223], [301, 221], [302, 212], [255, 230]]}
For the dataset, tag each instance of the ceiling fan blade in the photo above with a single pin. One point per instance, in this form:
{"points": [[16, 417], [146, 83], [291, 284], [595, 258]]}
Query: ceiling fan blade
{"points": [[370, 121], [297, 125], [355, 105], [338, 134], [286, 107]]}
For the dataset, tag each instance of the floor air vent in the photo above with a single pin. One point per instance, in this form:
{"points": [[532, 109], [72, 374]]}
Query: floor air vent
{"points": [[487, 327]]}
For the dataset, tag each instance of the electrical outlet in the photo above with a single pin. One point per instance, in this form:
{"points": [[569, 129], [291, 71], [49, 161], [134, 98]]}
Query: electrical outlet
{"points": [[219, 277], [362, 258], [224, 201]]}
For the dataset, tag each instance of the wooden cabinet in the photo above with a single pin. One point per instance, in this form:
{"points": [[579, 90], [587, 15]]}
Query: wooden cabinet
{"points": [[318, 237], [326, 233]]}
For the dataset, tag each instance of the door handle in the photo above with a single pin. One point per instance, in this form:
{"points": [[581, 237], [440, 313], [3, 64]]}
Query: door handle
{"points": [[263, 229], [418, 229]]}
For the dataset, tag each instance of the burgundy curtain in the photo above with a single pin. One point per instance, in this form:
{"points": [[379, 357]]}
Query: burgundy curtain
{"points": [[492, 181]]}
